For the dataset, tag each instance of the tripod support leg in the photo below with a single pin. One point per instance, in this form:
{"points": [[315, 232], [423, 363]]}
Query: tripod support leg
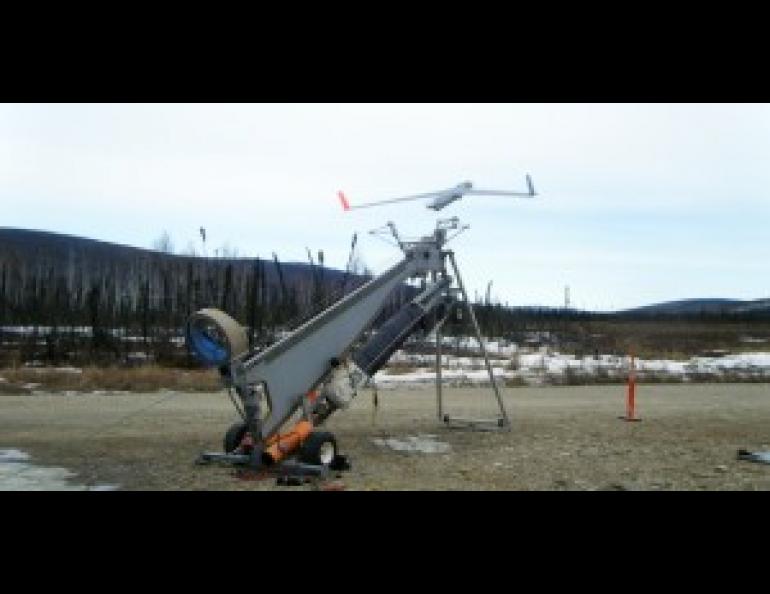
{"points": [[504, 415]]}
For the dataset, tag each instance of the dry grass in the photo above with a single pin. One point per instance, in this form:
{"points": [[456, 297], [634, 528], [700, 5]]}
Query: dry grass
{"points": [[515, 382], [670, 339], [148, 378], [400, 368]]}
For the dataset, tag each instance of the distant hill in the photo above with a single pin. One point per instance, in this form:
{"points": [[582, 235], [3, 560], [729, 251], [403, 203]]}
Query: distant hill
{"points": [[756, 306], [702, 306], [50, 277], [52, 247], [37, 264]]}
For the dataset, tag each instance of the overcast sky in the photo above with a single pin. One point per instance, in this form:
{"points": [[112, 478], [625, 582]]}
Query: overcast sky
{"points": [[638, 203]]}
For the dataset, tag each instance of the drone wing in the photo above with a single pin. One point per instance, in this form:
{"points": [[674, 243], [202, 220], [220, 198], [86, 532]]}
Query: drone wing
{"points": [[530, 194], [346, 204], [497, 193]]}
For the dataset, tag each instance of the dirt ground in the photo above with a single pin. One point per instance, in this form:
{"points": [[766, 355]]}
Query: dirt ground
{"points": [[562, 438]]}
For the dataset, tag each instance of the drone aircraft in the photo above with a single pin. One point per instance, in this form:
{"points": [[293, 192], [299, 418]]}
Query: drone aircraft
{"points": [[443, 198]]}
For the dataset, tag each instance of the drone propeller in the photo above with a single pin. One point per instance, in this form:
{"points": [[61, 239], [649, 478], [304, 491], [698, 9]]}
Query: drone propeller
{"points": [[443, 198]]}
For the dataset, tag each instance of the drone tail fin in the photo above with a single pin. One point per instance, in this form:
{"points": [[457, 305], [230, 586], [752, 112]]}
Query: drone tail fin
{"points": [[343, 200], [531, 186]]}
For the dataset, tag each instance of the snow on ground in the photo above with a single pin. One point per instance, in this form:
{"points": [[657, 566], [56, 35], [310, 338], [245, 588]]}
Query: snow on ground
{"points": [[527, 364], [537, 366], [383, 379], [753, 339], [17, 473], [425, 444], [40, 367]]}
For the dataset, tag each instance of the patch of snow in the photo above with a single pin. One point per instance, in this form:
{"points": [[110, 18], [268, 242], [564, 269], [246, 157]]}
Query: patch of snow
{"points": [[73, 370], [13, 455], [18, 474], [424, 444], [383, 379], [537, 365]]}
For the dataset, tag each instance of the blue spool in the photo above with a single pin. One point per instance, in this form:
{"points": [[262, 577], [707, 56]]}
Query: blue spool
{"points": [[206, 348]]}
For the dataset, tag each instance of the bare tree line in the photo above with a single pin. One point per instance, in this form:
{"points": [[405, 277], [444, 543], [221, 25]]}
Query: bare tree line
{"points": [[79, 300], [69, 300]]}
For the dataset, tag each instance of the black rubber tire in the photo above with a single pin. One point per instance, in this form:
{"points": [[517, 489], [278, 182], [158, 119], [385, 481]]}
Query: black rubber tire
{"points": [[310, 451], [234, 436]]}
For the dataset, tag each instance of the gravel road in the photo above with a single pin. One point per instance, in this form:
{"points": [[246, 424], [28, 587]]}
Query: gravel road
{"points": [[567, 438]]}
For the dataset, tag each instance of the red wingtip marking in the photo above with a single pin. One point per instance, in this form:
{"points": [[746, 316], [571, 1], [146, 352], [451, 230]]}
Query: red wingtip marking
{"points": [[343, 200]]}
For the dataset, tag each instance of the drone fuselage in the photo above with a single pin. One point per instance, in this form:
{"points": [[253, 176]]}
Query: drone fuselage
{"points": [[443, 200]]}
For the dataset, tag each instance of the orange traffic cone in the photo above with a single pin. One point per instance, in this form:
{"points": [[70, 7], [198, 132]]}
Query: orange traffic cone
{"points": [[631, 393]]}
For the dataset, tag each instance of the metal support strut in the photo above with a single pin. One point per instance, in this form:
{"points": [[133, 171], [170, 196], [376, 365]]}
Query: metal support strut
{"points": [[503, 422], [439, 407], [319, 357]]}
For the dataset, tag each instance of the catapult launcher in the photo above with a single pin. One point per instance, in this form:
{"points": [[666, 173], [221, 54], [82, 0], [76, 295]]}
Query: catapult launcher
{"points": [[289, 389]]}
